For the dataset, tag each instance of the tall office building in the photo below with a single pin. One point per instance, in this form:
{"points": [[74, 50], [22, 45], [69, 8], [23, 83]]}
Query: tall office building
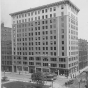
{"points": [[82, 53], [45, 38], [6, 48]]}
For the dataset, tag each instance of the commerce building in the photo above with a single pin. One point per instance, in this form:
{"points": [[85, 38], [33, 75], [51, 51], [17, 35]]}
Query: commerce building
{"points": [[6, 48], [45, 39], [83, 60]]}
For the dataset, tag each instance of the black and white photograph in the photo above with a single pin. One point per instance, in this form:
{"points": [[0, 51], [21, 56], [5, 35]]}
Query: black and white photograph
{"points": [[44, 44]]}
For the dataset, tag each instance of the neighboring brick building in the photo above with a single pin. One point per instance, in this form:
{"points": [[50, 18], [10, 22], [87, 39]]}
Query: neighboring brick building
{"points": [[6, 48], [83, 48], [45, 38]]}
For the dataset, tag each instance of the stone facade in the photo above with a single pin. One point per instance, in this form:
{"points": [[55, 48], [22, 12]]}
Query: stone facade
{"points": [[6, 49]]}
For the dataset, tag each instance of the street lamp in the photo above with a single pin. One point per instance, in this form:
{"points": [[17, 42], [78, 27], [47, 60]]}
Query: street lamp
{"points": [[49, 67], [4, 71], [79, 82], [52, 82], [86, 79]]}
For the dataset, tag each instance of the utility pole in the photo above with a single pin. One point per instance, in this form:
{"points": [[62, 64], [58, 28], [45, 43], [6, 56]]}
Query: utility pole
{"points": [[86, 80]]}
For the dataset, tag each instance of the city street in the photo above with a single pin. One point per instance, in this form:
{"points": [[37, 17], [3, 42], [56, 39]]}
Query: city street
{"points": [[15, 76], [26, 78], [58, 83], [44, 43]]}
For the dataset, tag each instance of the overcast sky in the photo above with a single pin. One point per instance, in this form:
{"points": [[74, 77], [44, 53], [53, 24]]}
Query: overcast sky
{"points": [[10, 6]]}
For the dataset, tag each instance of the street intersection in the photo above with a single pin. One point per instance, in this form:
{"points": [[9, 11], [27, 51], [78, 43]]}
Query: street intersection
{"points": [[58, 83]]}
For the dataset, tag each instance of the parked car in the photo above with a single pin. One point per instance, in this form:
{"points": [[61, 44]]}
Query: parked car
{"points": [[50, 77]]}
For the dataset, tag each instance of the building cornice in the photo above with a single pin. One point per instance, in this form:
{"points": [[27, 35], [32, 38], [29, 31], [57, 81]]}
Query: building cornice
{"points": [[46, 6]]}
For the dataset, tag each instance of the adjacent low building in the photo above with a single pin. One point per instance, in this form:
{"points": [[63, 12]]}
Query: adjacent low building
{"points": [[83, 53], [6, 48]]}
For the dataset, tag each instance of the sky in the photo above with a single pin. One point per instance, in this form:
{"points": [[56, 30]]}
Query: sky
{"points": [[11, 6]]}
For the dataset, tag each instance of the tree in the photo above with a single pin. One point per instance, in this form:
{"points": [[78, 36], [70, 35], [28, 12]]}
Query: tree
{"points": [[38, 77]]}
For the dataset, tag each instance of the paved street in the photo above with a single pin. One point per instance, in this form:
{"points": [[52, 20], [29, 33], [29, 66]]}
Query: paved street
{"points": [[26, 78], [56, 84], [15, 76]]}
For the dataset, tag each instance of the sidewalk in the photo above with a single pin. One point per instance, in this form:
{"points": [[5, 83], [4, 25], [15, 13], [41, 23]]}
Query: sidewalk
{"points": [[78, 73], [17, 73]]}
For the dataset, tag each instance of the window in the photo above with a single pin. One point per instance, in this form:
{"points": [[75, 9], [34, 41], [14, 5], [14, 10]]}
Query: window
{"points": [[42, 27], [51, 37], [50, 20], [46, 16], [50, 9], [51, 48], [54, 42], [31, 19], [50, 15], [54, 53], [31, 63], [53, 65], [38, 12], [42, 17], [45, 59], [62, 36], [46, 27], [46, 32], [43, 48], [46, 21], [35, 18], [25, 15], [54, 37], [69, 47], [46, 48], [35, 12], [37, 63], [62, 42], [31, 13], [46, 43], [62, 53], [51, 32], [25, 20], [22, 15], [53, 59], [54, 48], [62, 59], [45, 10], [62, 30], [28, 14], [38, 58], [62, 48], [54, 9], [38, 23], [62, 6], [54, 14], [42, 11], [38, 17], [50, 26], [62, 13], [38, 28], [62, 19], [62, 65], [51, 53], [42, 22], [45, 64], [54, 25], [28, 19]]}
